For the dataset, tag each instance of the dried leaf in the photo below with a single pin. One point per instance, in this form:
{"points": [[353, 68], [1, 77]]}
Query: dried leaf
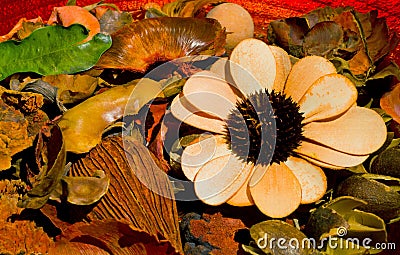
{"points": [[45, 47], [356, 42], [84, 124], [111, 21], [22, 29], [72, 14], [139, 191], [186, 8], [322, 39], [72, 88], [51, 157], [138, 45]]}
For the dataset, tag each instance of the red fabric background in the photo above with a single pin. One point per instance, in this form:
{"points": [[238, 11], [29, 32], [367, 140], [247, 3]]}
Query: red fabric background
{"points": [[262, 11]]}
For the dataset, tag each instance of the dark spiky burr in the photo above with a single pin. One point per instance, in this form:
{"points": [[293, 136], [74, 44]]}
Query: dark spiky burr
{"points": [[264, 128]]}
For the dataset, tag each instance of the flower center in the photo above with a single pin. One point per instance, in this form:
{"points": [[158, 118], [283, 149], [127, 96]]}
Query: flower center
{"points": [[264, 128]]}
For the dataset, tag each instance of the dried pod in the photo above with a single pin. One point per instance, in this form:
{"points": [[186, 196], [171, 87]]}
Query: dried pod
{"points": [[127, 163], [141, 44]]}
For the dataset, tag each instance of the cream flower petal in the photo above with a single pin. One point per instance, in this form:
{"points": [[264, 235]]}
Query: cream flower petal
{"points": [[278, 193], [312, 179], [328, 97], [304, 73], [329, 156], [359, 131], [283, 66], [186, 113], [219, 179], [196, 155], [242, 196], [209, 93], [256, 57], [322, 164]]}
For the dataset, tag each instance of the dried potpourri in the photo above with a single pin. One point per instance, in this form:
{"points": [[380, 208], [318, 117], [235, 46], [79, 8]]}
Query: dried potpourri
{"points": [[87, 174], [355, 42]]}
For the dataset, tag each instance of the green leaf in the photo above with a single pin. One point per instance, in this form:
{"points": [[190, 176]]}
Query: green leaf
{"points": [[53, 50]]}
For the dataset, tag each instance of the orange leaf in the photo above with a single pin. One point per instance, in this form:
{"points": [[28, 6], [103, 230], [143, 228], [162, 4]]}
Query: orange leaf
{"points": [[68, 15]]}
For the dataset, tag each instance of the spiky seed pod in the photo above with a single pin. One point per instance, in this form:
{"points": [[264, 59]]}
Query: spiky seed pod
{"points": [[264, 128]]}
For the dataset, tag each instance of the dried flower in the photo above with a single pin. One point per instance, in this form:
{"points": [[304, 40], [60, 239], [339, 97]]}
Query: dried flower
{"points": [[312, 121]]}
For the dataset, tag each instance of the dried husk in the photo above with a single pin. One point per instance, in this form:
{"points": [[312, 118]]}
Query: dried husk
{"points": [[138, 45], [128, 199]]}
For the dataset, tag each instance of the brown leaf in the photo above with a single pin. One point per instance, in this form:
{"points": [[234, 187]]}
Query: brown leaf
{"points": [[323, 38], [132, 171], [27, 102], [22, 29], [72, 88], [143, 43]]}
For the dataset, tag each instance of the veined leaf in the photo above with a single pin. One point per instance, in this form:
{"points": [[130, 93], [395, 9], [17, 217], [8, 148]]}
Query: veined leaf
{"points": [[52, 50]]}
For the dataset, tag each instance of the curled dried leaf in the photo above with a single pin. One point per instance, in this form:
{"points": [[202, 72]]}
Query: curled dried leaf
{"points": [[50, 158], [72, 88], [185, 8], [138, 45], [84, 124], [22, 29], [72, 14]]}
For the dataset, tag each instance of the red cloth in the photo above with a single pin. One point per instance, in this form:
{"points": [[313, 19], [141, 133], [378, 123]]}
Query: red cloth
{"points": [[263, 11]]}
